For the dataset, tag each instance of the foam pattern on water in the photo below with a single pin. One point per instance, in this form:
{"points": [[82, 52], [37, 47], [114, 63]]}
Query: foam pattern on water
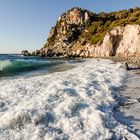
{"points": [[71, 105], [4, 63]]}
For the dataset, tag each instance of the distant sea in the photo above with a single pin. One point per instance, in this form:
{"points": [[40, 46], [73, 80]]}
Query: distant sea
{"points": [[17, 65]]}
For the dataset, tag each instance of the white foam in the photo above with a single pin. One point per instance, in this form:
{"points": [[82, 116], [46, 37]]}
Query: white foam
{"points": [[75, 104], [4, 63]]}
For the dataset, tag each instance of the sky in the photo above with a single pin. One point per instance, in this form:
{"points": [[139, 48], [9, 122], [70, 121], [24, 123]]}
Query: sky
{"points": [[25, 24]]}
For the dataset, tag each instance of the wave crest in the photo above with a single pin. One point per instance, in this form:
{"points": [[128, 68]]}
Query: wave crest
{"points": [[13, 67], [4, 64]]}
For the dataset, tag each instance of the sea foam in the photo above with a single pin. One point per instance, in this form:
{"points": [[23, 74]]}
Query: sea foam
{"points": [[75, 104], [4, 63]]}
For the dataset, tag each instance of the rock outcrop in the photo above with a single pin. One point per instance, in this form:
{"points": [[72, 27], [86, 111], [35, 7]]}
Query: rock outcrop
{"points": [[68, 28], [25, 53], [75, 30], [121, 41]]}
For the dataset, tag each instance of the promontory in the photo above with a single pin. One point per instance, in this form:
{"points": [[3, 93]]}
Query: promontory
{"points": [[81, 33]]}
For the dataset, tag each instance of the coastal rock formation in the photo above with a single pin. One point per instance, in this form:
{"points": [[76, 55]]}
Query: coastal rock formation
{"points": [[68, 28], [121, 41], [25, 53], [130, 43], [81, 33]]}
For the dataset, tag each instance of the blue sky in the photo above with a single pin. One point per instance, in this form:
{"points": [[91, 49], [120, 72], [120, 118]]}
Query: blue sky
{"points": [[25, 24]]}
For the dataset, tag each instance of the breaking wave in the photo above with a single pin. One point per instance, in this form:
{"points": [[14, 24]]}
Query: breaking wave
{"points": [[14, 67], [4, 63]]}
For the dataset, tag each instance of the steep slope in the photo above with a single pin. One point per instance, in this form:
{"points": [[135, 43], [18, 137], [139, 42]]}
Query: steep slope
{"points": [[65, 34], [121, 41], [79, 32]]}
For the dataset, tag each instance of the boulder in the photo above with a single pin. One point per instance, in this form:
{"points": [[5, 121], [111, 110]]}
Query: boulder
{"points": [[25, 53], [36, 53]]}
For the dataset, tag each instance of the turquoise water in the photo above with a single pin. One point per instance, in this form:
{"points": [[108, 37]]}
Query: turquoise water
{"points": [[15, 65]]}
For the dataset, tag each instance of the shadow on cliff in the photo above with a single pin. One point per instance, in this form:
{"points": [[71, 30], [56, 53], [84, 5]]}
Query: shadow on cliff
{"points": [[116, 41]]}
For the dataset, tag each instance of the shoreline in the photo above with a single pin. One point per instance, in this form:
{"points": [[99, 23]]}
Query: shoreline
{"points": [[132, 61], [77, 104], [82, 92], [127, 112]]}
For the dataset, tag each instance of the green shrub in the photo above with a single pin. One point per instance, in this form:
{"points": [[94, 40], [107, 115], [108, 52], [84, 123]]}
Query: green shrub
{"points": [[95, 30], [107, 22], [98, 38]]}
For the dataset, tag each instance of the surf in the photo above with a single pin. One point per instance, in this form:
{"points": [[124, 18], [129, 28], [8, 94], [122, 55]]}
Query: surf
{"points": [[4, 63], [20, 66], [73, 104]]}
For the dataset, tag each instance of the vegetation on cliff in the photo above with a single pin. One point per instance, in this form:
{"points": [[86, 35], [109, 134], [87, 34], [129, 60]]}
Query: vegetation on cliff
{"points": [[98, 25], [70, 25], [107, 21], [78, 32]]}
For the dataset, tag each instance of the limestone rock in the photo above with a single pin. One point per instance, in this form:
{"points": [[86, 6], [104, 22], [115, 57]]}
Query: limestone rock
{"points": [[67, 31], [129, 44], [121, 41], [36, 53]]}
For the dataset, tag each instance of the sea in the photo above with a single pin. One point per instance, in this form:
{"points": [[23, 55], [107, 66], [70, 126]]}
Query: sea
{"points": [[60, 99], [19, 65]]}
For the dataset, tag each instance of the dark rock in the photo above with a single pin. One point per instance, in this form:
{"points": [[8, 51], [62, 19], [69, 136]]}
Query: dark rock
{"points": [[36, 53], [50, 53], [26, 53], [126, 66]]}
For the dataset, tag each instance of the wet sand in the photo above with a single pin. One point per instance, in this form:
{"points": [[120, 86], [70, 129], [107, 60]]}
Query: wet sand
{"points": [[128, 111]]}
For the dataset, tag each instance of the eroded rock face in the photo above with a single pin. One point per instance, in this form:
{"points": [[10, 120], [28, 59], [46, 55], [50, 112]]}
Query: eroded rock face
{"points": [[130, 42], [67, 31], [121, 41]]}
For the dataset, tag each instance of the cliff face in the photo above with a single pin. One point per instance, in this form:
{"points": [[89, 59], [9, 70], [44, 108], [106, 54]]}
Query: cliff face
{"points": [[130, 43], [121, 41], [81, 33], [68, 28]]}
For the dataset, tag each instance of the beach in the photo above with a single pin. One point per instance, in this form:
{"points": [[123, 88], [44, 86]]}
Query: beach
{"points": [[77, 103], [128, 111]]}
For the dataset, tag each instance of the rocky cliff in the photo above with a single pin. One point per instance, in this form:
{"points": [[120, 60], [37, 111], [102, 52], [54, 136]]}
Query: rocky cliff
{"points": [[66, 32], [121, 41], [81, 33]]}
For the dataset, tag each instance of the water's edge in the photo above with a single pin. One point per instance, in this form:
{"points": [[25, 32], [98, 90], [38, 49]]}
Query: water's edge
{"points": [[127, 112], [72, 104], [18, 65]]}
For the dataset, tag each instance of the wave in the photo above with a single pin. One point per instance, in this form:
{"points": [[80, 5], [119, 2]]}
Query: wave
{"points": [[4, 63], [75, 104], [18, 66]]}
